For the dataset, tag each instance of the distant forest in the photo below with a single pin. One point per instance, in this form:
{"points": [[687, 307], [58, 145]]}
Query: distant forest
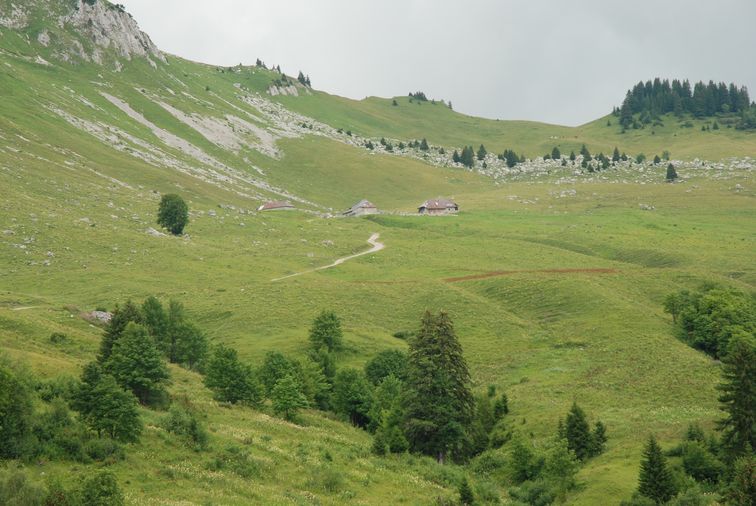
{"points": [[701, 100]]}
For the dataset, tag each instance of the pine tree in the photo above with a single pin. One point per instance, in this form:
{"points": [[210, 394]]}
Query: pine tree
{"points": [[439, 401], [671, 173], [482, 153], [616, 155], [287, 398], [598, 439], [578, 433], [556, 154], [655, 480], [424, 145], [137, 365], [467, 157], [657, 160], [326, 333], [155, 319], [572, 156], [738, 394], [122, 316]]}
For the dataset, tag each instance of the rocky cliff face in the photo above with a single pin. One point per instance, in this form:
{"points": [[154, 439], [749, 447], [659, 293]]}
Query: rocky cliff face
{"points": [[92, 30], [110, 27]]}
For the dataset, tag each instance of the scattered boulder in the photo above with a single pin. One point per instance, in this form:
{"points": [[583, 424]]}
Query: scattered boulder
{"points": [[155, 233]]}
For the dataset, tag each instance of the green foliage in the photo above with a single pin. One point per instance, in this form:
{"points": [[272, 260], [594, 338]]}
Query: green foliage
{"points": [[556, 154], [741, 490], [106, 407], [439, 402], [137, 365], [482, 153], [707, 319], [15, 414], [122, 316], [467, 158], [101, 490], [17, 490], [424, 145], [466, 495], [655, 481], [560, 467], [287, 398], [325, 333], [231, 380], [185, 424], [700, 463], [524, 464], [177, 338], [671, 173], [384, 364], [580, 439], [173, 213], [352, 395], [312, 383], [738, 394], [237, 460], [275, 367]]}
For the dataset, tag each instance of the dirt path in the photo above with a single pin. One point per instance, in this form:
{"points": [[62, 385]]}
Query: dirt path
{"points": [[494, 274], [375, 247]]}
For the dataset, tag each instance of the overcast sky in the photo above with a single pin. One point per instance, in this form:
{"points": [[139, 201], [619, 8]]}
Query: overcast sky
{"points": [[557, 61]]}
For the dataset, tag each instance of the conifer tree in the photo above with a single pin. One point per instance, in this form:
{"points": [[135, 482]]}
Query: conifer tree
{"points": [[671, 173], [655, 480], [616, 155], [578, 433], [16, 411], [424, 145], [556, 154], [352, 396], [572, 156], [482, 153], [439, 401], [466, 496], [738, 394]]}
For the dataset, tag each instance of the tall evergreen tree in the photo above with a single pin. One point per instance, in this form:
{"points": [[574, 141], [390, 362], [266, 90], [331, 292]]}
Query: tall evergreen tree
{"points": [[556, 154], [738, 394], [455, 157], [655, 480], [671, 173], [616, 155], [572, 156], [424, 145], [439, 401], [482, 153], [578, 433]]}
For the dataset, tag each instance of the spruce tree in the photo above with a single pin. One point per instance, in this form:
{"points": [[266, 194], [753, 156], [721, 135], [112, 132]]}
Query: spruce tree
{"points": [[572, 156], [671, 173], [455, 157], [439, 401], [655, 480], [424, 145], [598, 439], [137, 365], [466, 496], [738, 394], [616, 155], [578, 433], [556, 154], [482, 153]]}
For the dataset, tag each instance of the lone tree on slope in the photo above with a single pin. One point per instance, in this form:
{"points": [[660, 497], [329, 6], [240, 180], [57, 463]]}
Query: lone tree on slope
{"points": [[173, 213], [671, 173]]}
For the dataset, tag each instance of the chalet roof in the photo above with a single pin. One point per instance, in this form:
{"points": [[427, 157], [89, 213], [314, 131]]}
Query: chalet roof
{"points": [[438, 204], [362, 204], [276, 204]]}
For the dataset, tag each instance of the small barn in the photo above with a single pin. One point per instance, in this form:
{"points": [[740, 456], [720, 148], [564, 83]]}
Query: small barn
{"points": [[361, 208], [438, 206], [277, 205]]}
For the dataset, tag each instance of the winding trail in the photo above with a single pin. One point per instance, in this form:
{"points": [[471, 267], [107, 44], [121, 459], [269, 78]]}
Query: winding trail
{"points": [[375, 247]]}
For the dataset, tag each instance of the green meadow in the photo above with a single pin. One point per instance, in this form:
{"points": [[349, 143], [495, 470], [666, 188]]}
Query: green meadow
{"points": [[555, 282]]}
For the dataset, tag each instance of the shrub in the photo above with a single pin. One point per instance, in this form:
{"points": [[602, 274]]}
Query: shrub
{"points": [[58, 338], [15, 414], [185, 424], [101, 490], [386, 363], [17, 489], [238, 461]]}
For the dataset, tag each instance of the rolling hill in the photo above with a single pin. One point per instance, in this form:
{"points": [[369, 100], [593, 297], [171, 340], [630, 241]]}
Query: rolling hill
{"points": [[554, 276]]}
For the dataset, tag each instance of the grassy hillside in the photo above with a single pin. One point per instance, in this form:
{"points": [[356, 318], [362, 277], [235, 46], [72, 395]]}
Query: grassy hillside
{"points": [[555, 281]]}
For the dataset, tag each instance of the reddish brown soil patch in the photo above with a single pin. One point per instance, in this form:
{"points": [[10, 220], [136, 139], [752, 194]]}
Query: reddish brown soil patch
{"points": [[494, 274]]}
